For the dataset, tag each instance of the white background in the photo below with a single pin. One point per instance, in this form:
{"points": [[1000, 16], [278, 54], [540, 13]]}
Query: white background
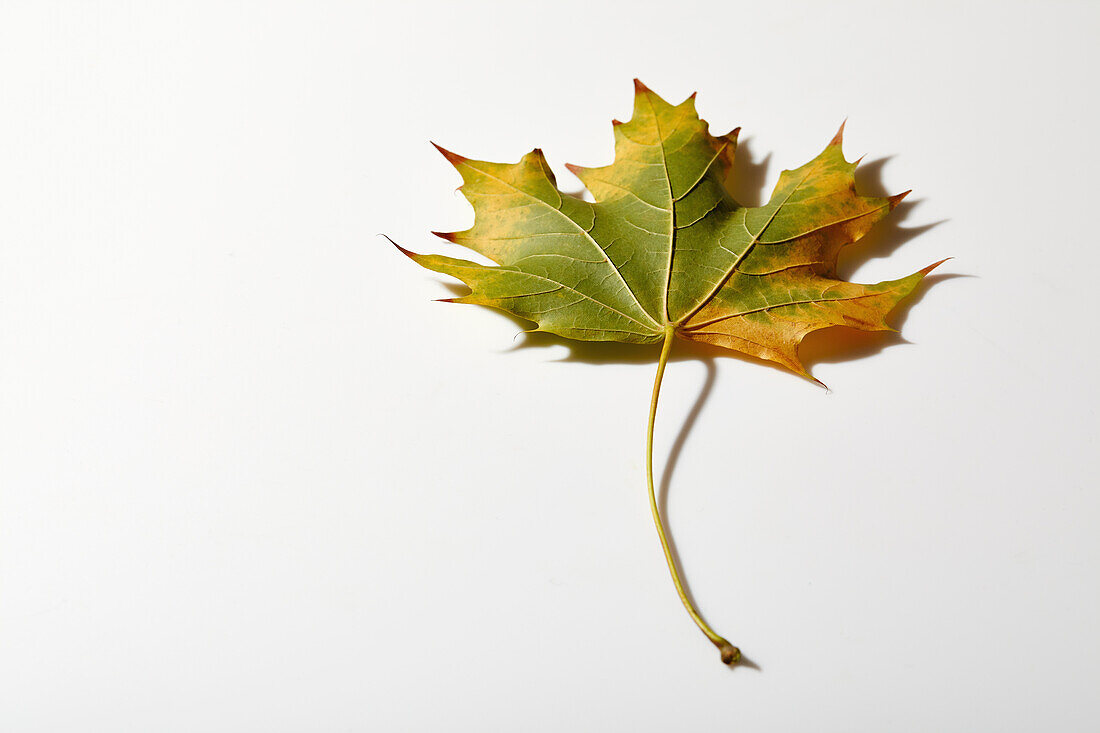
{"points": [[254, 479]]}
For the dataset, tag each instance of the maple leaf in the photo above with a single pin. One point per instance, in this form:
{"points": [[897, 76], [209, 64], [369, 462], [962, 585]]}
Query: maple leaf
{"points": [[666, 251]]}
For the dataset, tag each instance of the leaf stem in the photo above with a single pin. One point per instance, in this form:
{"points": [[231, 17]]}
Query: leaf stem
{"points": [[730, 654]]}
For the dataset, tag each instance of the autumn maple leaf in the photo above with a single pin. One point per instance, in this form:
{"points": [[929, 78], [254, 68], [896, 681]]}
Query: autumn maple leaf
{"points": [[666, 251]]}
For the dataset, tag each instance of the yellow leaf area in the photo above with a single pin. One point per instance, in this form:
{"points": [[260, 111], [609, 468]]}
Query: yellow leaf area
{"points": [[665, 248]]}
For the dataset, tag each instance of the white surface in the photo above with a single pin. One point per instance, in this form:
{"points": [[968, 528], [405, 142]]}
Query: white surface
{"points": [[253, 479]]}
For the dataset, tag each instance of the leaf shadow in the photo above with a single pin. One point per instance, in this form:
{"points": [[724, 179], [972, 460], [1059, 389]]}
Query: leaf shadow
{"points": [[887, 235], [749, 174]]}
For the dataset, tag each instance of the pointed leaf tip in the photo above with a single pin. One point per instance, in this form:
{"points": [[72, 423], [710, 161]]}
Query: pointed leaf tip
{"points": [[449, 236], [898, 197], [455, 158], [934, 265], [404, 251], [800, 369], [838, 138]]}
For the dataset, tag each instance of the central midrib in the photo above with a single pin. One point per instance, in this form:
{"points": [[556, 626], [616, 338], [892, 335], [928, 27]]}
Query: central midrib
{"points": [[665, 318]]}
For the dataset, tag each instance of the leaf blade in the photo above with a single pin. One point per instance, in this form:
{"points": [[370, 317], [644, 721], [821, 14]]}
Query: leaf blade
{"points": [[665, 244]]}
